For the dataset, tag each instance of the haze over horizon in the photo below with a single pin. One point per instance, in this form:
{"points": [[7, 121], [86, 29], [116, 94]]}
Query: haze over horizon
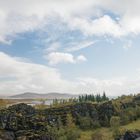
{"points": [[72, 46]]}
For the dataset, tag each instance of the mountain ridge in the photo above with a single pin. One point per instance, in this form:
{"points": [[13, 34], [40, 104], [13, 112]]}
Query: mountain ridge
{"points": [[51, 95]]}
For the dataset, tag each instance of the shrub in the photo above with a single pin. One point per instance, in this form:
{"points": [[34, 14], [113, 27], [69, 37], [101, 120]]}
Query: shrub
{"points": [[72, 134], [97, 136], [115, 124], [85, 122]]}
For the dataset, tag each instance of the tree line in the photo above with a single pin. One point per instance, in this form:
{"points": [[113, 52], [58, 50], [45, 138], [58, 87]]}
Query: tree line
{"points": [[93, 98], [82, 98]]}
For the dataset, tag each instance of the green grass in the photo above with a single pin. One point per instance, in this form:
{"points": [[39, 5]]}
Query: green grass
{"points": [[107, 132], [132, 126], [85, 135]]}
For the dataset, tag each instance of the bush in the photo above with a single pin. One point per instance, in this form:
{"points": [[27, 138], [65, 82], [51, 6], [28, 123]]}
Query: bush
{"points": [[124, 119], [85, 122], [138, 111], [115, 124], [72, 134], [97, 136], [95, 124]]}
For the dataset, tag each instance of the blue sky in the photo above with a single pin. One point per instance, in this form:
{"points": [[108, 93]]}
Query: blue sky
{"points": [[72, 47]]}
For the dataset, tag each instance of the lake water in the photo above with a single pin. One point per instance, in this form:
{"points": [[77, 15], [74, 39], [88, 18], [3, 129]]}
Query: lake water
{"points": [[47, 102]]}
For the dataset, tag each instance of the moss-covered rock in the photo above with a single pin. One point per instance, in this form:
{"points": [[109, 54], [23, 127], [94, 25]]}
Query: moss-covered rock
{"points": [[22, 121], [7, 135]]}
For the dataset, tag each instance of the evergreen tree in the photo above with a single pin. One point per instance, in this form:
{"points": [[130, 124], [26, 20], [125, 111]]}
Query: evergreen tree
{"points": [[104, 97]]}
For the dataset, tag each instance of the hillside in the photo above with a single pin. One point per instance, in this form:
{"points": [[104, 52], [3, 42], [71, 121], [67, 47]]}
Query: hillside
{"points": [[30, 95]]}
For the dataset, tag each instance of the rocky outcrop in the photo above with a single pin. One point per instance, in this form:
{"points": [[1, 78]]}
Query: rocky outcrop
{"points": [[76, 110], [7, 135], [28, 123], [129, 135], [16, 117], [24, 122], [29, 135]]}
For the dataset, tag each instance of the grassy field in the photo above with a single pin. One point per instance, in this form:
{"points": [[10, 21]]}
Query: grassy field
{"points": [[132, 126], [107, 132]]}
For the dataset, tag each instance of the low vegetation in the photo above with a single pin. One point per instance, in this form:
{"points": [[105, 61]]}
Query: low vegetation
{"points": [[85, 118]]}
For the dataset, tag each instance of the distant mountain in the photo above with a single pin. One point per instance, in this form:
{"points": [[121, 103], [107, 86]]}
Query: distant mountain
{"points": [[53, 95]]}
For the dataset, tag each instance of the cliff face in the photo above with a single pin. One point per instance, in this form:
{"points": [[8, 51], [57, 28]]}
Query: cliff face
{"points": [[24, 122]]}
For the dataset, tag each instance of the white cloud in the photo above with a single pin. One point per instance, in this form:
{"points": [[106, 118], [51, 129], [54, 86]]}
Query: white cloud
{"points": [[79, 46], [113, 87], [127, 45], [26, 16], [101, 26], [87, 16], [91, 17], [53, 47], [60, 57], [81, 58], [18, 76]]}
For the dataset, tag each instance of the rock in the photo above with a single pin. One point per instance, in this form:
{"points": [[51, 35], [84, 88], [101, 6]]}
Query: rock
{"points": [[129, 135], [22, 109], [22, 138], [7, 135], [23, 122], [16, 117], [34, 136]]}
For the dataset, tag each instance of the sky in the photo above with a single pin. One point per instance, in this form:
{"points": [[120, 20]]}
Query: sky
{"points": [[74, 46]]}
